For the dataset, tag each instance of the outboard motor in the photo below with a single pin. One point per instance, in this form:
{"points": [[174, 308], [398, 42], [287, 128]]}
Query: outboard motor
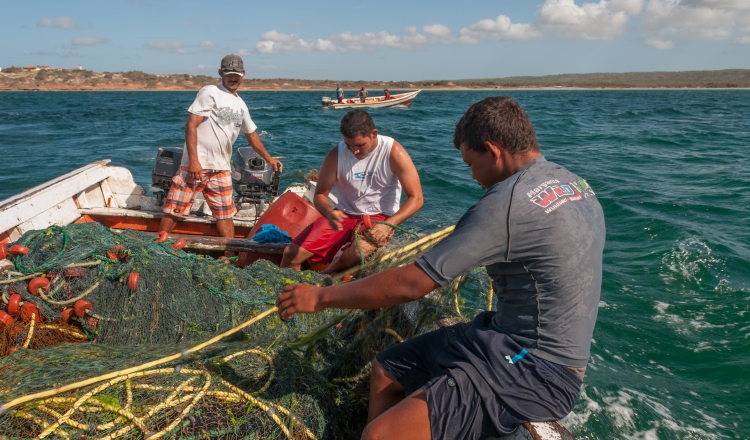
{"points": [[326, 101], [167, 163], [252, 178]]}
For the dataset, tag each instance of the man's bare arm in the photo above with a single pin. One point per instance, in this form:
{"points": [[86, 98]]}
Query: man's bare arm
{"points": [[195, 169], [254, 140], [389, 288], [406, 172], [326, 179]]}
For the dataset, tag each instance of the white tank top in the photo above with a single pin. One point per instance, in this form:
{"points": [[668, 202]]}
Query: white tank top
{"points": [[368, 186]]}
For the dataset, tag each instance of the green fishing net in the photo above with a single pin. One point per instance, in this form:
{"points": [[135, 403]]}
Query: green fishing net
{"points": [[306, 378]]}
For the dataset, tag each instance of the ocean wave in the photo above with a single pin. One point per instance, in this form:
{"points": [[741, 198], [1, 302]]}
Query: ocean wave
{"points": [[266, 135]]}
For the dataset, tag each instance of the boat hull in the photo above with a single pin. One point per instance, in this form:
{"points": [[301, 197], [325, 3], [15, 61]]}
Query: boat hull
{"points": [[376, 101]]}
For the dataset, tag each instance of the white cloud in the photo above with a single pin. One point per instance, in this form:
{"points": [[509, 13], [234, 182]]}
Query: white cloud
{"points": [[659, 44], [167, 46], [244, 52], [742, 40], [58, 23], [207, 43], [591, 21], [87, 41], [438, 30], [499, 29], [279, 42], [696, 19]]}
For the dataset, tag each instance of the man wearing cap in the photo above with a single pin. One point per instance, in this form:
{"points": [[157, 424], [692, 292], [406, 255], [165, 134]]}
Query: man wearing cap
{"points": [[339, 93], [216, 118], [362, 95]]}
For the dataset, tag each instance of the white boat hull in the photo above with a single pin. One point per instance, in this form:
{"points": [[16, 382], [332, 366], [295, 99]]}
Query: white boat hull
{"points": [[375, 101]]}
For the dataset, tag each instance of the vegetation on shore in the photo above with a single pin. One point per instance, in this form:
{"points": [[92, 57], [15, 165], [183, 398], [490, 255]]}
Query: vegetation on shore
{"points": [[15, 78]]}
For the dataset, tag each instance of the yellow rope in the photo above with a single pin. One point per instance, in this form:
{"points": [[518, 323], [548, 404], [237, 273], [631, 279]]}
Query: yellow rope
{"points": [[69, 301], [393, 333], [31, 331], [455, 294], [271, 370], [489, 297], [435, 237], [8, 405]]}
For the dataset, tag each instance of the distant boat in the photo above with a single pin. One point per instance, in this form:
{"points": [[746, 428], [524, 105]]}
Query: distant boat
{"points": [[375, 101]]}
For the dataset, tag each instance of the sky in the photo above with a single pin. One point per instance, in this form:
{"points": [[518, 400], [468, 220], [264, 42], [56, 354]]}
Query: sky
{"points": [[378, 40]]}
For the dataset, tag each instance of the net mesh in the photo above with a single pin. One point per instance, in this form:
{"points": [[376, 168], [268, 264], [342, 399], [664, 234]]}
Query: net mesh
{"points": [[306, 378]]}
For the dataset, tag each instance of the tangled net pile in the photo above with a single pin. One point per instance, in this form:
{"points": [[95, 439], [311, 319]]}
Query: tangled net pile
{"points": [[145, 377]]}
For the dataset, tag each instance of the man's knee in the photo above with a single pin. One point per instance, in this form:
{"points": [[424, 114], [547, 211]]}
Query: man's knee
{"points": [[381, 379]]}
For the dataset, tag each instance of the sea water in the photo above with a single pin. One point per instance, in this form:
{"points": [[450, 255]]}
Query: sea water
{"points": [[671, 351]]}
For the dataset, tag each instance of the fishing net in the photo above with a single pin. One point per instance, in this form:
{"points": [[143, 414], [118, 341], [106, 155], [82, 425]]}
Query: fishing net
{"points": [[306, 378]]}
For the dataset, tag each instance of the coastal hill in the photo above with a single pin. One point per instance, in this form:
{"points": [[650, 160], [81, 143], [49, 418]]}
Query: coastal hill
{"points": [[15, 79]]}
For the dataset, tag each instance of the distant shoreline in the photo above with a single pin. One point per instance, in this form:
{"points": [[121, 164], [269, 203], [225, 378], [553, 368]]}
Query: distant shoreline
{"points": [[17, 79], [446, 89]]}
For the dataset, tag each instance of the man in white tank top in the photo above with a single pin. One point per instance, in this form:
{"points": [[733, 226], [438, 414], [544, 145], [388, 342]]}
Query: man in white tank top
{"points": [[369, 172]]}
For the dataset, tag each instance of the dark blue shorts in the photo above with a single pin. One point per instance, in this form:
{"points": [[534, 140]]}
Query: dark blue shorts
{"points": [[480, 383]]}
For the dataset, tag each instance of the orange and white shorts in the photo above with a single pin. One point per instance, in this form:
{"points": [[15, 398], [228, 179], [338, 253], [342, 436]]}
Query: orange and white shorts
{"points": [[216, 187]]}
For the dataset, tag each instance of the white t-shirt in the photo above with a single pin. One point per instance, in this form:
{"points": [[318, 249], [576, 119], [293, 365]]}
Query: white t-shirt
{"points": [[368, 186], [228, 116]]}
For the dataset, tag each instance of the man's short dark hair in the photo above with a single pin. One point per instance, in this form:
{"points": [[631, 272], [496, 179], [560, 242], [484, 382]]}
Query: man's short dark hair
{"points": [[499, 119], [357, 123]]}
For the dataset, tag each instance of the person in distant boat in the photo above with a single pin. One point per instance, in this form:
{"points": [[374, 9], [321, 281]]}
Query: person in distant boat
{"points": [[216, 118], [387, 94], [339, 93], [369, 172], [362, 95], [539, 231]]}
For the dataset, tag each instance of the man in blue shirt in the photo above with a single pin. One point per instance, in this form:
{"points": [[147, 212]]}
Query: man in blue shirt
{"points": [[539, 231]]}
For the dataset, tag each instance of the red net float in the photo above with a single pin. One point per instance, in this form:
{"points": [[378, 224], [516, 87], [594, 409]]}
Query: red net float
{"points": [[12, 290], [14, 304], [38, 283], [67, 314], [367, 221], [161, 237], [133, 279], [17, 249], [73, 272], [117, 253], [93, 322], [6, 319], [347, 278], [29, 309], [81, 306], [179, 244], [3, 251]]}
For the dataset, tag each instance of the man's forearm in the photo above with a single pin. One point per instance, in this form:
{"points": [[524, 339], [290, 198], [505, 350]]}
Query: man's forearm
{"points": [[385, 289], [410, 206], [322, 205], [259, 148]]}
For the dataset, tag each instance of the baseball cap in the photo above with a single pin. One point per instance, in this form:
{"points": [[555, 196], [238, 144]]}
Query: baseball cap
{"points": [[232, 64]]}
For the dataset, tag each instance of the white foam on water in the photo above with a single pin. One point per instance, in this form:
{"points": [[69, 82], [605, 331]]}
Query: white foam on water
{"points": [[687, 260], [266, 135], [603, 304]]}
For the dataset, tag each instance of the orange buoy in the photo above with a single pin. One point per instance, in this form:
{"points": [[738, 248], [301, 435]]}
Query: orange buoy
{"points": [[161, 237], [81, 306], [17, 249], [3, 251], [67, 314], [14, 304], [133, 281], [29, 309], [38, 283], [73, 272], [179, 244], [347, 278], [6, 319], [117, 253]]}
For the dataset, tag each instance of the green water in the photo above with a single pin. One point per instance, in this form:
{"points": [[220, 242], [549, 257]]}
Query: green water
{"points": [[671, 356]]}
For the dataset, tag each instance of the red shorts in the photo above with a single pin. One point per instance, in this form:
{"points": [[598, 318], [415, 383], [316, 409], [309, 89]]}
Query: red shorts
{"points": [[320, 239], [216, 187]]}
